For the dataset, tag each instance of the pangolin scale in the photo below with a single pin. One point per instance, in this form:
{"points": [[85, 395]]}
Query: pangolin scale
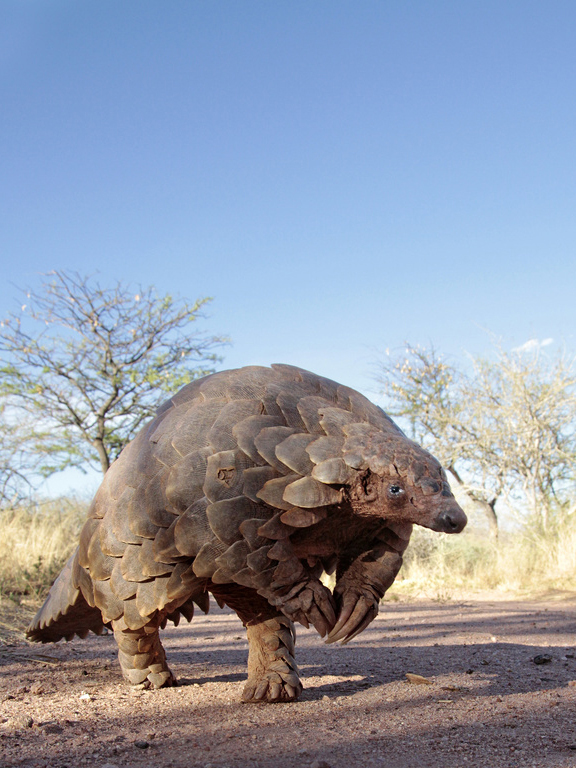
{"points": [[249, 484]]}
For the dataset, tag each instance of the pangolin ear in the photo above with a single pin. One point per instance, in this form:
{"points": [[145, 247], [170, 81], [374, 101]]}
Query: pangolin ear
{"points": [[368, 486]]}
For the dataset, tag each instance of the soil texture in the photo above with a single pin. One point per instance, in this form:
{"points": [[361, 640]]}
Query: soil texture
{"points": [[490, 683]]}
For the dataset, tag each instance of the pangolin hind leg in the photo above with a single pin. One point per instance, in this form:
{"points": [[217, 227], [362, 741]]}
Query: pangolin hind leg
{"points": [[142, 656], [272, 671]]}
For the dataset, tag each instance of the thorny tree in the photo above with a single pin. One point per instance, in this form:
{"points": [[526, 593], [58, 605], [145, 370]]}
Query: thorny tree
{"points": [[505, 431], [88, 364]]}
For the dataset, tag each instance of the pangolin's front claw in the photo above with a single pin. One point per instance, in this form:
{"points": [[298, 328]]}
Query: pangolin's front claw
{"points": [[370, 616], [314, 605], [322, 612], [355, 615]]}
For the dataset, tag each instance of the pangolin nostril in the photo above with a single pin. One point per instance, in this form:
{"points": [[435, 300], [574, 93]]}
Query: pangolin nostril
{"points": [[453, 521]]}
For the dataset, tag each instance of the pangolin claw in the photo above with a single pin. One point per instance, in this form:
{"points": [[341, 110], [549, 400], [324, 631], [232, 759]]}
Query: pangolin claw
{"points": [[355, 616], [272, 689], [321, 611]]}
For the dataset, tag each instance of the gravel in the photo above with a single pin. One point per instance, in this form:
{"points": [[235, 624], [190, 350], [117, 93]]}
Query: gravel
{"points": [[489, 698]]}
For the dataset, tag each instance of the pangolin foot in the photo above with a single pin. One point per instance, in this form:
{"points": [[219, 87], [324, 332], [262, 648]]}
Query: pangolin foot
{"points": [[273, 687], [155, 676]]}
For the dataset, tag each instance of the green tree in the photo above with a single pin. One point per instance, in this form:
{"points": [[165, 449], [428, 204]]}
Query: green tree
{"points": [[83, 366]]}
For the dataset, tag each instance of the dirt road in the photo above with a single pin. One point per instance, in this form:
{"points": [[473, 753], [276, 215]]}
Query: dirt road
{"points": [[487, 701]]}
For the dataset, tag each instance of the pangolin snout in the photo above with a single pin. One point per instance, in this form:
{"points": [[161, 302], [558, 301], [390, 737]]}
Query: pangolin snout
{"points": [[451, 520]]}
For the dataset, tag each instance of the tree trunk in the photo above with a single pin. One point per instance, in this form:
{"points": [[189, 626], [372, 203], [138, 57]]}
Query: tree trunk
{"points": [[487, 507], [102, 455]]}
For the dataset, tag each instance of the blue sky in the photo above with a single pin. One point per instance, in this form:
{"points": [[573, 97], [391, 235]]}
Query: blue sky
{"points": [[340, 176]]}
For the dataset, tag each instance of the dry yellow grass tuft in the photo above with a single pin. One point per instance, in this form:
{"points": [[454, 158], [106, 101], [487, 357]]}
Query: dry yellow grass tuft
{"points": [[522, 563], [35, 542]]}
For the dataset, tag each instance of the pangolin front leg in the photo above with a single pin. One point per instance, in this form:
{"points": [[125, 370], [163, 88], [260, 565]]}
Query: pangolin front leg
{"points": [[272, 671], [142, 656], [359, 589]]}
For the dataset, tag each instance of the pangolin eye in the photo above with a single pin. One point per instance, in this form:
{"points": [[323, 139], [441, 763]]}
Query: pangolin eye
{"points": [[395, 490]]}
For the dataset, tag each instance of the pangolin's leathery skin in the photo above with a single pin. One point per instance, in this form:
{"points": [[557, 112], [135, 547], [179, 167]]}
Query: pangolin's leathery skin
{"points": [[249, 484]]}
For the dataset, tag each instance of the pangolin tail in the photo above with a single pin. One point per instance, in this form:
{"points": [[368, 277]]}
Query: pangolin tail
{"points": [[65, 611]]}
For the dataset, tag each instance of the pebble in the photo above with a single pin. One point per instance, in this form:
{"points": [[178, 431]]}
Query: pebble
{"points": [[52, 728], [417, 679], [141, 744], [21, 721]]}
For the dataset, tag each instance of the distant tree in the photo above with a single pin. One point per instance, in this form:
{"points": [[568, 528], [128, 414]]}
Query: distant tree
{"points": [[83, 366], [15, 463], [522, 405], [504, 431]]}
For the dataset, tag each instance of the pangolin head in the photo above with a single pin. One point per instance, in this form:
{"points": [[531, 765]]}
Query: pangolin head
{"points": [[398, 480]]}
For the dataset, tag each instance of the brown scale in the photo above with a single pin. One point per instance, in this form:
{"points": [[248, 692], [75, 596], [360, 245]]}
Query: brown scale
{"points": [[226, 518], [266, 442], [150, 497], [188, 431], [292, 453], [224, 475], [246, 431], [192, 528], [164, 546], [254, 479], [310, 409], [273, 492], [309, 493], [185, 480], [288, 404], [220, 437], [248, 484]]}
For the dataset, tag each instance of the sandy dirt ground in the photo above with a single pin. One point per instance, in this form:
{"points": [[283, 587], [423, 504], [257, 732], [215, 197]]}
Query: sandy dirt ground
{"points": [[500, 692]]}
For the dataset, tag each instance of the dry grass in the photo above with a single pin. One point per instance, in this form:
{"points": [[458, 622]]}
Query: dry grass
{"points": [[34, 545], [441, 567]]}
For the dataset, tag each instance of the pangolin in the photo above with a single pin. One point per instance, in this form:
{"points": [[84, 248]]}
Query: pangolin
{"points": [[249, 484]]}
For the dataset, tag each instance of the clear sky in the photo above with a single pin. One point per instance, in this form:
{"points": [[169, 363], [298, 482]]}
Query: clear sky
{"points": [[340, 176]]}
